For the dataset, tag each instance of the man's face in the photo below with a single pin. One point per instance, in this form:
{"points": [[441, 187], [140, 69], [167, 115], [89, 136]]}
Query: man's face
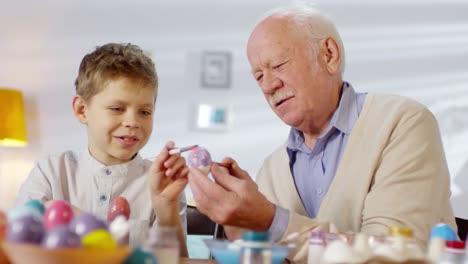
{"points": [[287, 71], [119, 120]]}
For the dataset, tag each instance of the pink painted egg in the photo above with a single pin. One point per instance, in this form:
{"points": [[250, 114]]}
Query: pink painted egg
{"points": [[58, 213]]}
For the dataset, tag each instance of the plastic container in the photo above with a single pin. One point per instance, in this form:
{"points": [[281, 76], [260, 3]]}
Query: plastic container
{"points": [[228, 252], [256, 248], [403, 241], [454, 253], [316, 247], [163, 242]]}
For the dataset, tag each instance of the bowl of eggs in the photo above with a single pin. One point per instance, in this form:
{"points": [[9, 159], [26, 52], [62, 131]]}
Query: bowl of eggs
{"points": [[34, 234], [30, 253]]}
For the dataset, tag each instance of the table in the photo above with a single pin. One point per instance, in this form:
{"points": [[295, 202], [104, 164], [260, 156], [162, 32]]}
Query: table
{"points": [[196, 261]]}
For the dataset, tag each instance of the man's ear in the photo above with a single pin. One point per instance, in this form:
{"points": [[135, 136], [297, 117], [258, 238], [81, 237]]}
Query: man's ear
{"points": [[331, 55], [79, 109]]}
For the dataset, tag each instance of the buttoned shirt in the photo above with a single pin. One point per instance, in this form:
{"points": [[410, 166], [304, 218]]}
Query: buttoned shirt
{"points": [[313, 169], [84, 182]]}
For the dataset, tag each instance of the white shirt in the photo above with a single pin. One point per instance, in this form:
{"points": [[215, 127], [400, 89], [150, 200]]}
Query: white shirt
{"points": [[81, 180]]}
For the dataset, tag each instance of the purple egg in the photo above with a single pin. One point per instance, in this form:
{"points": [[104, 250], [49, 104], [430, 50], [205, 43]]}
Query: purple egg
{"points": [[86, 223], [26, 229], [61, 237], [199, 157]]}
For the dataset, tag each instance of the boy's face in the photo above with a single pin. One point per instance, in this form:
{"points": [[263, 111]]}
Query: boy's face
{"points": [[119, 120]]}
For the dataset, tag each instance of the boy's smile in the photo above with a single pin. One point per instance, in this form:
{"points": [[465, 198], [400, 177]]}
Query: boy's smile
{"points": [[127, 141], [119, 119]]}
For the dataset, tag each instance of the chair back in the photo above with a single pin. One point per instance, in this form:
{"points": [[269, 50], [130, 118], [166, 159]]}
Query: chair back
{"points": [[200, 224], [462, 226]]}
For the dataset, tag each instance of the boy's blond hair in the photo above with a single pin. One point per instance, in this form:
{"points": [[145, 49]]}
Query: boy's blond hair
{"points": [[110, 62]]}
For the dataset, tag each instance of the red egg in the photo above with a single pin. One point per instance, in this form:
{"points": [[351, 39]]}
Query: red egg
{"points": [[58, 213], [118, 206], [3, 225]]}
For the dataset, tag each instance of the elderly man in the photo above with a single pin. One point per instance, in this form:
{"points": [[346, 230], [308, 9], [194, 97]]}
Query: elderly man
{"points": [[353, 161]]}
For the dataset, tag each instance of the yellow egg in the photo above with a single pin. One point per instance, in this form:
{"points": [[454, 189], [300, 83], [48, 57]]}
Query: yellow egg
{"points": [[100, 239]]}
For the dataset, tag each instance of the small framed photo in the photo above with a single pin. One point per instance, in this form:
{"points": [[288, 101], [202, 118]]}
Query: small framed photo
{"points": [[216, 69], [215, 118]]}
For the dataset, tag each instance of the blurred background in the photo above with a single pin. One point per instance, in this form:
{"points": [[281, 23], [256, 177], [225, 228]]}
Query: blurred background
{"points": [[415, 48]]}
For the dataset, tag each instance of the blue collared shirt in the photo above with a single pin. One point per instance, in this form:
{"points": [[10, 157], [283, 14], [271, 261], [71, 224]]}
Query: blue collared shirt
{"points": [[314, 169]]}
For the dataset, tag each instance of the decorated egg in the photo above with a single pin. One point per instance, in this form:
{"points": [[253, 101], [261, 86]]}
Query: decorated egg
{"points": [[61, 237], [3, 224], [58, 213], [36, 204], [85, 223], [444, 231], [100, 239], [140, 255], [21, 211], [118, 206], [26, 229], [199, 157]]}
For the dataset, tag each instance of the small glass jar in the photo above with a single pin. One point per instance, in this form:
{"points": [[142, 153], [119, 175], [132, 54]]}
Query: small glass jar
{"points": [[454, 253], [163, 242], [317, 246], [402, 240], [256, 248]]}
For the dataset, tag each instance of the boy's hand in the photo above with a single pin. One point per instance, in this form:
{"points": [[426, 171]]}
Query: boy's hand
{"points": [[167, 178]]}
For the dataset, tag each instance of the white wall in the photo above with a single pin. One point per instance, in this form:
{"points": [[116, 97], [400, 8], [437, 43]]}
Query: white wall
{"points": [[415, 48]]}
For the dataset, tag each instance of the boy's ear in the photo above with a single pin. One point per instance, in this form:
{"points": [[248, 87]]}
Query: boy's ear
{"points": [[79, 108]]}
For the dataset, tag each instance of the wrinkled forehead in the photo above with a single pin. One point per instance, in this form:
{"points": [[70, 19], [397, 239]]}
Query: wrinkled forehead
{"points": [[273, 31]]}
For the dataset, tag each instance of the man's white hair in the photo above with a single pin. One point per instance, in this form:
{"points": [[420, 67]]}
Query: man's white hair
{"points": [[312, 22]]}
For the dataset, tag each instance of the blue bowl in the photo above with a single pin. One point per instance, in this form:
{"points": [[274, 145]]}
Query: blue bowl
{"points": [[228, 252]]}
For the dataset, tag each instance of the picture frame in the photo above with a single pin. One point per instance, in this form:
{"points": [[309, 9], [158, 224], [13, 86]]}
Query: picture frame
{"points": [[213, 118], [216, 69]]}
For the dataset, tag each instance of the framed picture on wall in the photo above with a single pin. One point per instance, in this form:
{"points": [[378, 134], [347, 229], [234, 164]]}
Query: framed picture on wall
{"points": [[215, 118], [216, 69]]}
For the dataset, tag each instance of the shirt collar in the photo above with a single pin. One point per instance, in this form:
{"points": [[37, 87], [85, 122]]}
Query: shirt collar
{"points": [[123, 169], [343, 119], [347, 112]]}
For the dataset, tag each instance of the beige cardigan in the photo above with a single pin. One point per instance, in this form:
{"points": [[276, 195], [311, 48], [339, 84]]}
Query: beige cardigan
{"points": [[393, 172]]}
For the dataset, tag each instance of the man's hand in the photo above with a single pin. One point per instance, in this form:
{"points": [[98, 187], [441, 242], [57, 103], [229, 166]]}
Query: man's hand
{"points": [[233, 199]]}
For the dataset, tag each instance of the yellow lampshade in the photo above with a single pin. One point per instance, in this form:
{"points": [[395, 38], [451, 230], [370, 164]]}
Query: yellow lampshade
{"points": [[12, 119]]}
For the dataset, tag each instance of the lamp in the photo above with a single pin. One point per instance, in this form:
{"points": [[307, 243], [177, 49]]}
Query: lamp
{"points": [[12, 119]]}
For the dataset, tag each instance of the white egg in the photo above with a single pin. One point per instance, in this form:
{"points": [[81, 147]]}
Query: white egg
{"points": [[387, 251], [361, 247], [119, 229], [339, 251]]}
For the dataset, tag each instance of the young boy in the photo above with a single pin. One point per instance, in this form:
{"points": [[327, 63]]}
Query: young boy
{"points": [[116, 91]]}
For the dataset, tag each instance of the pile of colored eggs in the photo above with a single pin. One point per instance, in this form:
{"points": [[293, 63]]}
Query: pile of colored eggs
{"points": [[58, 227]]}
